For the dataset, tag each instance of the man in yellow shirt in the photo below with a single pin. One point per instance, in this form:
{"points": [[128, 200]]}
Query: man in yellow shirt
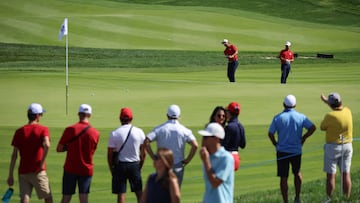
{"points": [[338, 149]]}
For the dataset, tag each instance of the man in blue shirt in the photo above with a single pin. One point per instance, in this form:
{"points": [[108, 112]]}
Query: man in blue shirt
{"points": [[218, 166], [289, 126]]}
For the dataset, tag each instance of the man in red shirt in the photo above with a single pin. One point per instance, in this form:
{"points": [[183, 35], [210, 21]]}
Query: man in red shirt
{"points": [[80, 141], [231, 53], [32, 141], [286, 56]]}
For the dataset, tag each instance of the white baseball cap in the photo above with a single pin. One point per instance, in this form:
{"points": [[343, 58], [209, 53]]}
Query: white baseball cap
{"points": [[85, 108], [290, 100], [224, 41], [174, 111], [36, 108], [287, 43], [213, 129]]}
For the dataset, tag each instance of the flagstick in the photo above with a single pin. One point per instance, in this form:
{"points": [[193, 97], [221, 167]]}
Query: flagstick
{"points": [[67, 76], [342, 165]]}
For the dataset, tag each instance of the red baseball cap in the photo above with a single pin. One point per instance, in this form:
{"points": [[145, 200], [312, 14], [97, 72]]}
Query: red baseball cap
{"points": [[234, 108], [126, 113]]}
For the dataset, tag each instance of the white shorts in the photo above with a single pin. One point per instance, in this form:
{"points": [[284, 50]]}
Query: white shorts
{"points": [[337, 155]]}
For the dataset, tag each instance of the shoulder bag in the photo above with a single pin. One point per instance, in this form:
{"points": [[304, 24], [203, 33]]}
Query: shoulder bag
{"points": [[115, 154], [75, 138]]}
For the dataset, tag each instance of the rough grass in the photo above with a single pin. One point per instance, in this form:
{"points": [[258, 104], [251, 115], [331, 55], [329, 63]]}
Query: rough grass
{"points": [[15, 56]]}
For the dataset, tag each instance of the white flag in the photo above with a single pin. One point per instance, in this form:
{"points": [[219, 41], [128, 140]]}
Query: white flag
{"points": [[63, 29]]}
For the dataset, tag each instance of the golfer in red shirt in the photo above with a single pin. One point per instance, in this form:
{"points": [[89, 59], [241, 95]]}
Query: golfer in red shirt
{"points": [[231, 53], [286, 56]]}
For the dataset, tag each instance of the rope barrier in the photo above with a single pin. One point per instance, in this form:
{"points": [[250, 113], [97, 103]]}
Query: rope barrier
{"points": [[244, 166], [270, 161]]}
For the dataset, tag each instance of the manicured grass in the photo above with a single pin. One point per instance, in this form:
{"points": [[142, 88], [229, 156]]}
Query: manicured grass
{"points": [[197, 92], [149, 56], [109, 24], [326, 12]]}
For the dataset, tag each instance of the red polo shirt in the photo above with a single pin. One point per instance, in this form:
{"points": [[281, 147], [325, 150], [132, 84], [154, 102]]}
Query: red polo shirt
{"points": [[286, 54], [79, 156], [29, 140], [230, 50]]}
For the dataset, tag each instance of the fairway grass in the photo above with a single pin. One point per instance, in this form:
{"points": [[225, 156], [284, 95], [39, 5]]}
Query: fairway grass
{"points": [[110, 24], [197, 93], [147, 57]]}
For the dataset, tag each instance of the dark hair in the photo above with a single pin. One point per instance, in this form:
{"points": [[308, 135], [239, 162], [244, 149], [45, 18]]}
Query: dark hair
{"points": [[125, 120], [335, 104], [288, 107], [213, 114], [32, 116]]}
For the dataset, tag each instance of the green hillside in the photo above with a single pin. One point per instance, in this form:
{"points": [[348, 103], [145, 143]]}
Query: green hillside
{"points": [[334, 12], [117, 25]]}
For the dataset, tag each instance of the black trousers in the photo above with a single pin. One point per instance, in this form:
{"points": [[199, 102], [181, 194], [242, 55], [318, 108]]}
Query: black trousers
{"points": [[232, 66]]}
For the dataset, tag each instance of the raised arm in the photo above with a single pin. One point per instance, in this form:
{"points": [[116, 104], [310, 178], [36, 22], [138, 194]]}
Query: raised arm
{"points": [[214, 181]]}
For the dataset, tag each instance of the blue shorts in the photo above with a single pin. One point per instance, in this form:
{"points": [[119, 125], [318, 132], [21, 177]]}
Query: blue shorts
{"points": [[283, 163], [126, 171], [69, 184]]}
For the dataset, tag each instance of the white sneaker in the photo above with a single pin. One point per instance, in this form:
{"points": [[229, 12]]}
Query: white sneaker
{"points": [[327, 200]]}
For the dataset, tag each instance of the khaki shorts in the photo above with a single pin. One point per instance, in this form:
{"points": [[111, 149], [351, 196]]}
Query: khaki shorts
{"points": [[337, 155], [39, 181]]}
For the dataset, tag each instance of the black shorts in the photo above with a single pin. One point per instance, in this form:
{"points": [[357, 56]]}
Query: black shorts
{"points": [[69, 184], [283, 162], [126, 171]]}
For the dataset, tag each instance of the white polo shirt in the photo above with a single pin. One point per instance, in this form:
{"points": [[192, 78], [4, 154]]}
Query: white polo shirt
{"points": [[172, 135], [131, 150]]}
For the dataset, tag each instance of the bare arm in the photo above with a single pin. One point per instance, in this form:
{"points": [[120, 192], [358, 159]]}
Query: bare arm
{"points": [[323, 98], [109, 158], [309, 132], [142, 155], [174, 190], [148, 148], [194, 146], [14, 154], [46, 144], [214, 181], [60, 148], [272, 139]]}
